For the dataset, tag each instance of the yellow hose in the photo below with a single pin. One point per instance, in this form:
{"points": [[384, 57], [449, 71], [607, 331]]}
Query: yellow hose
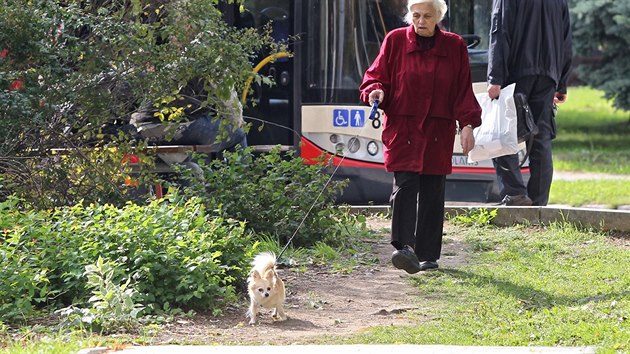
{"points": [[262, 63]]}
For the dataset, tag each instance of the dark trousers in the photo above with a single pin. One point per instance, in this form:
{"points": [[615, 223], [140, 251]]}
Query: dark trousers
{"points": [[417, 203], [540, 91]]}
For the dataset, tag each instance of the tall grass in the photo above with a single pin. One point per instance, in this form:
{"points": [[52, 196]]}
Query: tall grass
{"points": [[591, 135]]}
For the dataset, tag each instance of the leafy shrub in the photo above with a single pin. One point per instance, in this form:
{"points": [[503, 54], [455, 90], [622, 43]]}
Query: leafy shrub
{"points": [[113, 306], [72, 73], [179, 256], [275, 193], [23, 282], [176, 255]]}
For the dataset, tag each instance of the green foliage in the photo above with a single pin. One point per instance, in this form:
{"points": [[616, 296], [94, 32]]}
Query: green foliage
{"points": [[84, 67], [179, 256], [112, 304], [475, 217], [325, 253], [601, 28], [175, 253], [113, 307], [24, 282], [276, 194]]}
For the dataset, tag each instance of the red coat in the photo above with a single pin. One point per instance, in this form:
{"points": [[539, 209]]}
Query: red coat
{"points": [[425, 93]]}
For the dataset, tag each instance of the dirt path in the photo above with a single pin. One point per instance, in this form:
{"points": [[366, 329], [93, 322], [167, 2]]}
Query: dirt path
{"points": [[320, 303]]}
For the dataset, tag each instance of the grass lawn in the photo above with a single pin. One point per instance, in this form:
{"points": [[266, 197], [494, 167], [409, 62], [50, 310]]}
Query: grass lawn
{"points": [[591, 135], [607, 192], [524, 286]]}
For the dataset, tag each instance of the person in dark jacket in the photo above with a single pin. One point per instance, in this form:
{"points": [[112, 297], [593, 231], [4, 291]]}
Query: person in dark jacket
{"points": [[422, 80], [530, 45]]}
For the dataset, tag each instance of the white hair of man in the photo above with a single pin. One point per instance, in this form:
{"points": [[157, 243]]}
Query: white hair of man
{"points": [[439, 6]]}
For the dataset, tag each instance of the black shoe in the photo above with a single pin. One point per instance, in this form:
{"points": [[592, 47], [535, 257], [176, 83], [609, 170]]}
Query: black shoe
{"points": [[516, 200], [407, 260], [426, 265]]}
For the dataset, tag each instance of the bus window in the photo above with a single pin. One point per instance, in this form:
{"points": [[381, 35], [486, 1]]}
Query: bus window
{"points": [[471, 17], [471, 20], [270, 103], [343, 38], [392, 12]]}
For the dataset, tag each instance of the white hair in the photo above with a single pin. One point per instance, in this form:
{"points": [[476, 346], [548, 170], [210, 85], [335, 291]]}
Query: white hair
{"points": [[439, 6]]}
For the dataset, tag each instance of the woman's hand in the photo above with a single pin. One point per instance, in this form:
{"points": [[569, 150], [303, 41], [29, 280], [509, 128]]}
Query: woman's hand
{"points": [[376, 95], [467, 139]]}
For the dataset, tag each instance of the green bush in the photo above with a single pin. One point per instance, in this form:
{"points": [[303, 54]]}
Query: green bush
{"points": [[113, 307], [275, 193], [176, 254], [72, 73], [23, 281]]}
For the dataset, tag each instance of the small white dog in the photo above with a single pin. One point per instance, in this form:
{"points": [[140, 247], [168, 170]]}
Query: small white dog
{"points": [[265, 287]]}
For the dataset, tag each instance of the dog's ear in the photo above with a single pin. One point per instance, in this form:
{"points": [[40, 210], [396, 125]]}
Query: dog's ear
{"points": [[270, 275], [255, 275]]}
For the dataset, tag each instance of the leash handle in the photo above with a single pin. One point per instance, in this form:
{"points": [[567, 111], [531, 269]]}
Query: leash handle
{"points": [[374, 110]]}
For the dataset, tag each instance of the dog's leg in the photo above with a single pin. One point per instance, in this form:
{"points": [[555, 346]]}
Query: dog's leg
{"points": [[278, 312], [252, 312]]}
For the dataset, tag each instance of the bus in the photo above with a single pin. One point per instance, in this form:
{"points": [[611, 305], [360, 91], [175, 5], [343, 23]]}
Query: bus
{"points": [[314, 107]]}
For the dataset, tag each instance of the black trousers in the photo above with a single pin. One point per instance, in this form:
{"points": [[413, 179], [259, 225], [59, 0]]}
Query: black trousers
{"points": [[417, 203], [540, 91]]}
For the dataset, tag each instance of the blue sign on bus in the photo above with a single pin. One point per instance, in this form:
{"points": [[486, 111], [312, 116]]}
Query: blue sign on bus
{"points": [[357, 118], [341, 118]]}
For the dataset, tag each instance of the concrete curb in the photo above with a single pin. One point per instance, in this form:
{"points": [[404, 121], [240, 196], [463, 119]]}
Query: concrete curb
{"points": [[353, 349], [603, 220], [599, 219]]}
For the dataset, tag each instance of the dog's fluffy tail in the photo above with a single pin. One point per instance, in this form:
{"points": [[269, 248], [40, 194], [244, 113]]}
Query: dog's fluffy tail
{"points": [[264, 261]]}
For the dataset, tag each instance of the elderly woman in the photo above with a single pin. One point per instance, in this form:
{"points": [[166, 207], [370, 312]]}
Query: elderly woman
{"points": [[421, 79]]}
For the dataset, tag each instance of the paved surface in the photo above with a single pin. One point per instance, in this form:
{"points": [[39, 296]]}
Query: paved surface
{"points": [[351, 349]]}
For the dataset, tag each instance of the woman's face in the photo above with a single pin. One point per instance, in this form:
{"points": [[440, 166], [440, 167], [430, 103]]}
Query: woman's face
{"points": [[424, 19]]}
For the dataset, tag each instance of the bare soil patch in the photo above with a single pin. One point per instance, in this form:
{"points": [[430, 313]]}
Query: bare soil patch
{"points": [[321, 304]]}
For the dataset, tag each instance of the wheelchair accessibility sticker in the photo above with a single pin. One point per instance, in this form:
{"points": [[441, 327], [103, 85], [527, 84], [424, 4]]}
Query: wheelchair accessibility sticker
{"points": [[348, 118]]}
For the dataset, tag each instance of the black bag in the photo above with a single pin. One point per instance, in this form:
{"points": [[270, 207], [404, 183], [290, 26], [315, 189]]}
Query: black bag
{"points": [[526, 129], [525, 126]]}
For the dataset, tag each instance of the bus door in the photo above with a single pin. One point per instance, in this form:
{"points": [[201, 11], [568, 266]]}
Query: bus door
{"points": [[340, 41], [269, 109]]}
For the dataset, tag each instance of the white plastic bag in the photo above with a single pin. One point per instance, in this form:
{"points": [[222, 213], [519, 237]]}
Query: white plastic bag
{"points": [[497, 134]]}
